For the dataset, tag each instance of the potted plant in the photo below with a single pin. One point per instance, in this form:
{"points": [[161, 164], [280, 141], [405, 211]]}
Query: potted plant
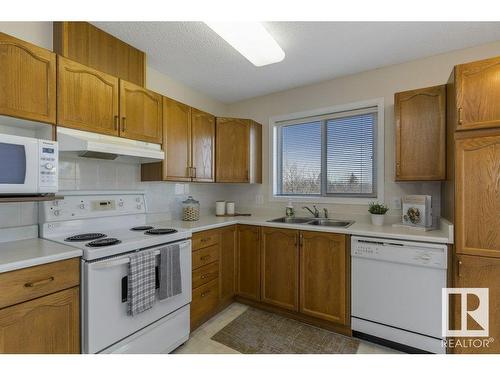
{"points": [[378, 211]]}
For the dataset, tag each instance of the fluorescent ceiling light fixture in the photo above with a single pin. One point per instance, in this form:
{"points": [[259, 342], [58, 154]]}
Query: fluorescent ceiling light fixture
{"points": [[251, 39]]}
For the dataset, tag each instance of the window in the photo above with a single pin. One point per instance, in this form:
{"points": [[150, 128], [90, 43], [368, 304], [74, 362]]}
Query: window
{"points": [[332, 155]]}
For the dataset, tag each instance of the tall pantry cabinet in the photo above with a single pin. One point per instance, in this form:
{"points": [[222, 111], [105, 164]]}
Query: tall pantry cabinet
{"points": [[472, 189]]}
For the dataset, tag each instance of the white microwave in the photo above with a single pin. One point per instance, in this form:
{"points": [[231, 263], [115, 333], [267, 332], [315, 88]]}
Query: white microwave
{"points": [[28, 166]]}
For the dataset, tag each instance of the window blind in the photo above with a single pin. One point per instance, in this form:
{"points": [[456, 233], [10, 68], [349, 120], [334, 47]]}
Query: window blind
{"points": [[331, 154], [349, 154]]}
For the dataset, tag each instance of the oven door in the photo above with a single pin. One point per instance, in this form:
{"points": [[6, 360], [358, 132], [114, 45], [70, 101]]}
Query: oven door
{"points": [[18, 165], [104, 295]]}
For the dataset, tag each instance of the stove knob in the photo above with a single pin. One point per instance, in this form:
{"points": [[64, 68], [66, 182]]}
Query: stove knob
{"points": [[137, 199], [56, 212], [82, 206], [139, 206], [120, 204]]}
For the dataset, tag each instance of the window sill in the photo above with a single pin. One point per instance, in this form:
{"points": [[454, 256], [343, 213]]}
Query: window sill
{"points": [[323, 200]]}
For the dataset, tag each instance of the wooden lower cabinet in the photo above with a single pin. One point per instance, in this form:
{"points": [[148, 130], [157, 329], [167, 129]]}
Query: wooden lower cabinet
{"points": [[324, 276], [213, 272], [280, 267], [204, 302], [45, 325], [480, 272], [248, 262], [227, 261]]}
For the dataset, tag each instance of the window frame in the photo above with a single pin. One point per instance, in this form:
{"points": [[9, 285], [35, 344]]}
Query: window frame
{"points": [[277, 122]]}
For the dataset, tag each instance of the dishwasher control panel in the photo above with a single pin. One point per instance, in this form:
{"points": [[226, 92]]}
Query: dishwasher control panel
{"points": [[397, 251]]}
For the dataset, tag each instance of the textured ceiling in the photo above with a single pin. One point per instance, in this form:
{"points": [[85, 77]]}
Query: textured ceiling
{"points": [[192, 53]]}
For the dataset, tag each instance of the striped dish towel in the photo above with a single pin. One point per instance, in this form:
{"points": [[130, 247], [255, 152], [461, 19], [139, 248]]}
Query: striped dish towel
{"points": [[141, 282]]}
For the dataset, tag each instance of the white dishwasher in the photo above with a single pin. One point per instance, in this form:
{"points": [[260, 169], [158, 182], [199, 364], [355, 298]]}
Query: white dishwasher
{"points": [[396, 291]]}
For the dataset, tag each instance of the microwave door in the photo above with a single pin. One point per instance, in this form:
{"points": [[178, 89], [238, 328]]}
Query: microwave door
{"points": [[19, 165]]}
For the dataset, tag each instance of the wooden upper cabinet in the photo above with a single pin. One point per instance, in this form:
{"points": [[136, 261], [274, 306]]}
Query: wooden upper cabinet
{"points": [[176, 140], [479, 272], [87, 99], [91, 46], [227, 262], [280, 267], [477, 195], [46, 325], [233, 150], [140, 112], [203, 146], [478, 94], [27, 80], [255, 152], [248, 262], [420, 117], [324, 276]]}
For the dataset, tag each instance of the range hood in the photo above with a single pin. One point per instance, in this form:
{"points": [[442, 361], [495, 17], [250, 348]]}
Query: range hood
{"points": [[98, 146]]}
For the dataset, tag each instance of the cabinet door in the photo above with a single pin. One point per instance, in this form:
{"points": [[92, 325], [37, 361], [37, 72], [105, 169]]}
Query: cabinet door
{"points": [[46, 325], [232, 148], [477, 195], [478, 94], [176, 140], [280, 267], [227, 261], [480, 272], [324, 276], [421, 134], [255, 153], [248, 262], [86, 98], [141, 113], [203, 146], [27, 80]]}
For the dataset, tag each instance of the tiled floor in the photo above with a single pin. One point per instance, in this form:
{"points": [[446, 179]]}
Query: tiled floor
{"points": [[200, 341]]}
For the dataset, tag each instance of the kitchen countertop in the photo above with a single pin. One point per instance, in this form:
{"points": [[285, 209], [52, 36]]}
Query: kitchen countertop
{"points": [[361, 227], [21, 251]]}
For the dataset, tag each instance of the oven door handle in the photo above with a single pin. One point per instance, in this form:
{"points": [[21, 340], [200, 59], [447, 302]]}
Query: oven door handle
{"points": [[117, 262]]}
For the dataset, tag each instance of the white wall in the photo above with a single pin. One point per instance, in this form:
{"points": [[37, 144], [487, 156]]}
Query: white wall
{"points": [[81, 174], [383, 82]]}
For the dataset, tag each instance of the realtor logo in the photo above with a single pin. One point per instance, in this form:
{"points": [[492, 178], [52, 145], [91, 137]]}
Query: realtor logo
{"points": [[474, 322]]}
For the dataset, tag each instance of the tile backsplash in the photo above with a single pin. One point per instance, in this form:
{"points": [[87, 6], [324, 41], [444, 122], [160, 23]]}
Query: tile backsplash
{"points": [[94, 174]]}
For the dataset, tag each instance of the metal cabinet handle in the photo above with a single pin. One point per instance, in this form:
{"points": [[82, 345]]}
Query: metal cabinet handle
{"points": [[205, 275], [203, 240], [124, 119], [39, 283], [205, 293], [460, 110], [205, 257], [301, 240], [459, 263], [116, 120]]}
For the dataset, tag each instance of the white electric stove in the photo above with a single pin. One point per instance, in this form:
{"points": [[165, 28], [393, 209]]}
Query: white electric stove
{"points": [[108, 227]]}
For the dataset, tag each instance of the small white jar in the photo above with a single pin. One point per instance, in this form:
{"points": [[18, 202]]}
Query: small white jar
{"points": [[229, 208], [220, 208]]}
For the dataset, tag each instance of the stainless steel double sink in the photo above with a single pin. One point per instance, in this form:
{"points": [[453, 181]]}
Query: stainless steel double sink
{"points": [[313, 221]]}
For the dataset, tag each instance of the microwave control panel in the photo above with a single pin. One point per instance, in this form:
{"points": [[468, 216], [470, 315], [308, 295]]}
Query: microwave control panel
{"points": [[48, 157]]}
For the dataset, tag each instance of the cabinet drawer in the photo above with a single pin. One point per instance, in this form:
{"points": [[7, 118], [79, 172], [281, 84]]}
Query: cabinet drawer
{"points": [[23, 285], [205, 256], [205, 274], [205, 239], [205, 300]]}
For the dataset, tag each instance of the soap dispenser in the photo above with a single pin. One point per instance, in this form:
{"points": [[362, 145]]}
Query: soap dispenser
{"points": [[290, 212]]}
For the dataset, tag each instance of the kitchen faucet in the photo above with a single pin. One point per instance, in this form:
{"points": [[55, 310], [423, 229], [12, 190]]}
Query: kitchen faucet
{"points": [[325, 211], [315, 213]]}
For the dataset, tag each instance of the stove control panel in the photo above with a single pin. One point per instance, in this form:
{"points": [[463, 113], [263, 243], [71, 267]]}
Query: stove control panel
{"points": [[88, 206]]}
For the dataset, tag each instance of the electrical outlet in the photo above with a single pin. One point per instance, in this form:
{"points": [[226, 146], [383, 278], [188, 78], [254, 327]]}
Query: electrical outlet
{"points": [[179, 189], [396, 203], [259, 199]]}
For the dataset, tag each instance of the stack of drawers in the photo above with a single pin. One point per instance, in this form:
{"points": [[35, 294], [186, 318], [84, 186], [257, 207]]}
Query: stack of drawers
{"points": [[206, 250]]}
